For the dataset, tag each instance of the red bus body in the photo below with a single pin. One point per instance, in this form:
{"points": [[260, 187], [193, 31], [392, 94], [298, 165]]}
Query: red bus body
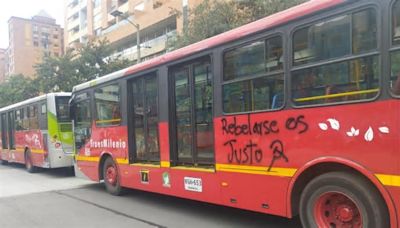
{"points": [[263, 159]]}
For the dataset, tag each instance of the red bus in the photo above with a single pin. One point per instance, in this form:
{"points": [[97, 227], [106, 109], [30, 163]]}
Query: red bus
{"points": [[294, 114]]}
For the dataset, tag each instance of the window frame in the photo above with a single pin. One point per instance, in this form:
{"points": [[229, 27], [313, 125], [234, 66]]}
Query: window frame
{"points": [[95, 113], [264, 38], [376, 52]]}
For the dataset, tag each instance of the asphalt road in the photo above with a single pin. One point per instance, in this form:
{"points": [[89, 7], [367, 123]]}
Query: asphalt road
{"points": [[54, 198]]}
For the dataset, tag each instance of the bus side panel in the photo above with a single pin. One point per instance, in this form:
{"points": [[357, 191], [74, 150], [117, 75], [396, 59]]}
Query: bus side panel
{"points": [[33, 140], [171, 181], [103, 140]]}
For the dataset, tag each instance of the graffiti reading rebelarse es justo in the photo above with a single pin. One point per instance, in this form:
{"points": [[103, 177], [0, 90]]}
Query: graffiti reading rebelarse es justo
{"points": [[250, 152]]}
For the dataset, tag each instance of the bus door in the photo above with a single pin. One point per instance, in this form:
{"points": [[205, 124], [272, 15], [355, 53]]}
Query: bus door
{"points": [[192, 113], [4, 138], [11, 131], [143, 119]]}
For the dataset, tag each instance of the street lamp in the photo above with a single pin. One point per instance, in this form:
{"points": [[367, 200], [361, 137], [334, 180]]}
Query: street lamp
{"points": [[116, 14]]}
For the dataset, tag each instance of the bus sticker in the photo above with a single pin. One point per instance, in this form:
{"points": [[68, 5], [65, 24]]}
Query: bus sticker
{"points": [[166, 180], [144, 176]]}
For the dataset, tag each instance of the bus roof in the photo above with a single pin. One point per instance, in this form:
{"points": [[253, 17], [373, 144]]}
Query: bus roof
{"points": [[271, 21], [34, 99]]}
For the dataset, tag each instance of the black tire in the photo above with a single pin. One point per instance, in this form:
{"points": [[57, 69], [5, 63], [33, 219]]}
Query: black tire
{"points": [[3, 162], [28, 162], [368, 203], [113, 187]]}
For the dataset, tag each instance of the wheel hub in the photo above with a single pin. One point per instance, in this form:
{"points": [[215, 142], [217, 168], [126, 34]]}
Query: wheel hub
{"points": [[111, 175], [344, 213], [333, 209]]}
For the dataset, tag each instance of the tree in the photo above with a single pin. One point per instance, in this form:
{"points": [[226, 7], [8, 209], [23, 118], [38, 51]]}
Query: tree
{"points": [[95, 60], [86, 63], [257, 9], [57, 73], [17, 88], [212, 17]]}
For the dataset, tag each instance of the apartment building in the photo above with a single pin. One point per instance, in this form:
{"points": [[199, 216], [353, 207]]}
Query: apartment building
{"points": [[30, 40], [2, 64], [86, 19]]}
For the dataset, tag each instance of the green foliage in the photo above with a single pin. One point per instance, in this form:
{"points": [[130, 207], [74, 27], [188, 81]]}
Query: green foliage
{"points": [[212, 17], [86, 63], [57, 74], [17, 88]]}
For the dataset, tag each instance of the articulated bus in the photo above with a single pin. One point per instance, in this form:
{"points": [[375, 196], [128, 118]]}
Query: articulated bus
{"points": [[294, 114], [37, 132]]}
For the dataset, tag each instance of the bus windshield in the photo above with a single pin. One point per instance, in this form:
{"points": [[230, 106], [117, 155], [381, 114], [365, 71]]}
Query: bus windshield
{"points": [[62, 109]]}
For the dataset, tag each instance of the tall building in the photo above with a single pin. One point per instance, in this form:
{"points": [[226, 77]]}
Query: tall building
{"points": [[30, 40], [85, 19], [2, 64]]}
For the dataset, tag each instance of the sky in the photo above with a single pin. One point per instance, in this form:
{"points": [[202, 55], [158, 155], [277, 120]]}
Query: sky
{"points": [[27, 9]]}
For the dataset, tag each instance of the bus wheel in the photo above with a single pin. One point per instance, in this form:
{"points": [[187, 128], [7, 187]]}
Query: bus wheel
{"points": [[28, 162], [3, 162], [111, 177], [340, 199]]}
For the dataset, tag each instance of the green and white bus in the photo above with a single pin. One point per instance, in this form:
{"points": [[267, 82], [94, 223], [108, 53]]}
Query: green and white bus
{"points": [[37, 132]]}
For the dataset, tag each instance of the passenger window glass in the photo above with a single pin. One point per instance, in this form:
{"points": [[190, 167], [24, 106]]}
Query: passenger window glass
{"points": [[395, 55], [253, 95], [264, 92], [62, 108], [256, 58], [33, 118], [18, 121], [334, 38], [364, 31], [345, 81], [108, 105], [145, 105], [183, 110], [82, 127], [324, 40], [396, 23], [203, 111], [274, 54], [245, 61], [395, 72], [43, 109]]}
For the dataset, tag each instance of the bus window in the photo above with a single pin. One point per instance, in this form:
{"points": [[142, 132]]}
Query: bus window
{"points": [[107, 106], [33, 117], [264, 92], [82, 121], [395, 55], [203, 111], [62, 108], [18, 119], [331, 38], [344, 81], [193, 113], [396, 23], [355, 79], [43, 109], [364, 31], [145, 111]]}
